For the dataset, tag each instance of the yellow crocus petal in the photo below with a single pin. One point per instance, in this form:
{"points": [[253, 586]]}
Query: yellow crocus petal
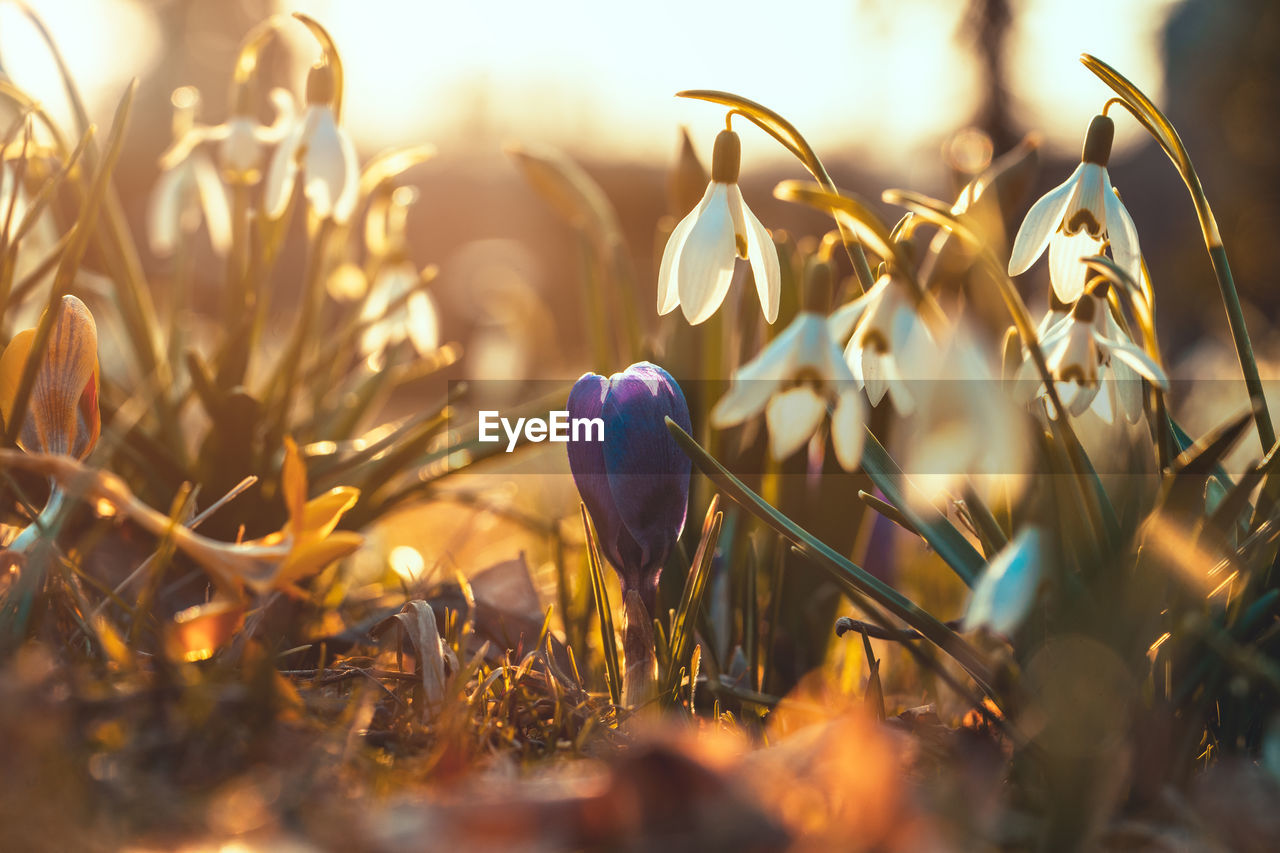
{"points": [[308, 557], [322, 514], [198, 632], [11, 364], [293, 484]]}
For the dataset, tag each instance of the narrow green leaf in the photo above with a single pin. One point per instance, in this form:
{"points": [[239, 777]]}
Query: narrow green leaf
{"points": [[604, 610], [853, 577], [691, 599], [941, 535]]}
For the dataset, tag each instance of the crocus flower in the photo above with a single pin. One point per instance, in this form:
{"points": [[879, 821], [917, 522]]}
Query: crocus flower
{"points": [[1076, 218], [697, 265], [635, 482], [322, 151], [62, 412], [307, 543], [794, 380], [887, 339]]}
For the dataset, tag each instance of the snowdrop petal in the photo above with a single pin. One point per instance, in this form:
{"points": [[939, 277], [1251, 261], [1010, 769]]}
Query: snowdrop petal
{"points": [[1128, 391], [1137, 359], [1122, 235], [755, 382], [282, 174], [213, 201], [792, 417], [763, 255], [873, 378], [1007, 588], [331, 170], [1041, 222], [1087, 207], [848, 430], [1103, 404], [843, 320], [668, 294], [1066, 272], [705, 268]]}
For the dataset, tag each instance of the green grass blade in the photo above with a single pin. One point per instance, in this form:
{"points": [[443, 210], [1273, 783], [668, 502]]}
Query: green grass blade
{"points": [[691, 599], [604, 610]]}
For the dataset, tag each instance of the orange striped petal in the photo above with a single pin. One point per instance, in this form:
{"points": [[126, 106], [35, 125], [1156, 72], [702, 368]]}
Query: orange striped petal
{"points": [[62, 412]]}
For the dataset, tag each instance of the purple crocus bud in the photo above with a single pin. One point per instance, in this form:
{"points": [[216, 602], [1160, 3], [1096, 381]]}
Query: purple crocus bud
{"points": [[635, 482]]}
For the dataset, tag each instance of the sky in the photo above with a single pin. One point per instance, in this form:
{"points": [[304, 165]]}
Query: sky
{"points": [[881, 78]]}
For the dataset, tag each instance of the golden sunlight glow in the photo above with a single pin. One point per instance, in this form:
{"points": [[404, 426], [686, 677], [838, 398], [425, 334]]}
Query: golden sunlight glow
{"points": [[406, 562], [90, 34], [599, 77]]}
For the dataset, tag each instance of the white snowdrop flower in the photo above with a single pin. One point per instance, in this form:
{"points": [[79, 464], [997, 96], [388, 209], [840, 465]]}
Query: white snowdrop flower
{"points": [[1094, 364], [888, 340], [398, 309], [323, 153], [794, 381], [1076, 218], [189, 188], [241, 140], [698, 262]]}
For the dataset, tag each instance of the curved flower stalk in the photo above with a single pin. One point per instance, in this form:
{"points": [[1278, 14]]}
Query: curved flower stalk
{"points": [[1077, 219], [1007, 587], [319, 149], [634, 480], [1094, 364], [888, 341], [698, 262], [794, 381], [277, 561]]}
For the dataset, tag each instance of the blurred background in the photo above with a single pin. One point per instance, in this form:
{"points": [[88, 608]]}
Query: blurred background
{"points": [[876, 86], [880, 89]]}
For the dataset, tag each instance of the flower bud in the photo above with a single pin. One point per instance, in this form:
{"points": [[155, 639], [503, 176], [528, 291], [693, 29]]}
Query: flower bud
{"points": [[62, 412], [634, 482]]}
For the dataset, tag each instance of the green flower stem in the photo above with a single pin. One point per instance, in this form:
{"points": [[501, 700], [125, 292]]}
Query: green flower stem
{"points": [[286, 377], [851, 576], [1158, 125]]}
